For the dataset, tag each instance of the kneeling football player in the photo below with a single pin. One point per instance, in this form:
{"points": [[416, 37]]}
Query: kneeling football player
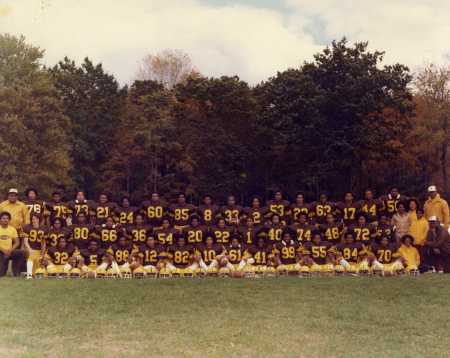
{"points": [[92, 258], [58, 260], [385, 257], [322, 256], [182, 258], [152, 255], [211, 253], [287, 254]]}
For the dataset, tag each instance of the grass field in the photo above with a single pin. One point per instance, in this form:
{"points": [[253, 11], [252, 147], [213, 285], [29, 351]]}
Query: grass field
{"points": [[284, 317]]}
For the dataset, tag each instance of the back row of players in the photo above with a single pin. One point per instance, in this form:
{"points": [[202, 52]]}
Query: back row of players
{"points": [[91, 236]]}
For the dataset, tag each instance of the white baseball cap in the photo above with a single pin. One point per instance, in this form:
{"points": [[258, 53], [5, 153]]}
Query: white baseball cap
{"points": [[13, 191], [432, 188], [432, 218]]}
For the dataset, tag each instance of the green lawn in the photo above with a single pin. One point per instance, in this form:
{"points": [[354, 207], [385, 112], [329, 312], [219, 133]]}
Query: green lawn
{"points": [[284, 317]]}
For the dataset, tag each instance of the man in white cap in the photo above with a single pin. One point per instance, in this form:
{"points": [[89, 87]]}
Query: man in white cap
{"points": [[436, 206], [437, 246], [17, 209]]}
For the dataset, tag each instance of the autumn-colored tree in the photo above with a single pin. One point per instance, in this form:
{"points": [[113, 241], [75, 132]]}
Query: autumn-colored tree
{"points": [[34, 133], [433, 92], [168, 67]]}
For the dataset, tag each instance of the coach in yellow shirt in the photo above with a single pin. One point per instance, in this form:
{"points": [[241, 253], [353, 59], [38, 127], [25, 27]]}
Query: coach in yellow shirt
{"points": [[9, 246], [18, 210], [437, 206]]}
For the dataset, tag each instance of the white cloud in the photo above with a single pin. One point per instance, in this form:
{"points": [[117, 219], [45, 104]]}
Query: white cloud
{"points": [[251, 42], [410, 31], [231, 39]]}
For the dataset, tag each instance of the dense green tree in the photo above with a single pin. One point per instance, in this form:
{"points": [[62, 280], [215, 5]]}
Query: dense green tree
{"points": [[93, 101], [331, 113], [34, 133]]}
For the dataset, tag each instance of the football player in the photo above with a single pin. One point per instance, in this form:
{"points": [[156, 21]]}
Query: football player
{"points": [[231, 212], [286, 253], [262, 255], [34, 205], [154, 210], [56, 232], [109, 232], [248, 232], [275, 229], [92, 257], [195, 232], [302, 228], [391, 200], [166, 235], [139, 232], [181, 212], [322, 257], [364, 232], [182, 258], [256, 211], [118, 256], [278, 205], [299, 207], [34, 236], [80, 205], [347, 209], [103, 209], [211, 253], [370, 206], [81, 232], [331, 230], [384, 228], [350, 253], [208, 211], [386, 258], [321, 208], [57, 208], [124, 214], [58, 258], [222, 232], [236, 256], [153, 255]]}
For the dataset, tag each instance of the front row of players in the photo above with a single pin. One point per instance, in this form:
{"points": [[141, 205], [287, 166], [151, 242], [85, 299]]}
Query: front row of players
{"points": [[284, 257]]}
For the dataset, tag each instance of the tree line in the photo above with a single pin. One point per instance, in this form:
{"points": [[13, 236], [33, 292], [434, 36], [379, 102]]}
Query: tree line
{"points": [[341, 122]]}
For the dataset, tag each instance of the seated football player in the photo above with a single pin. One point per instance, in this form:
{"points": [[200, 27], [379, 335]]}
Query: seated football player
{"points": [[349, 253], [385, 258], [322, 257], [34, 243], [262, 256], [195, 232], [182, 258], [57, 260], [211, 253], [118, 257], [152, 255], [409, 254], [92, 258], [235, 258], [287, 254]]}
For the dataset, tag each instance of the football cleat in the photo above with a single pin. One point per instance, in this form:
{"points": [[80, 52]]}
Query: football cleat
{"points": [[40, 273], [270, 272], [75, 273], [339, 270], [164, 273], [305, 271], [101, 273], [212, 272], [138, 272], [125, 273], [223, 272], [189, 273], [151, 272]]}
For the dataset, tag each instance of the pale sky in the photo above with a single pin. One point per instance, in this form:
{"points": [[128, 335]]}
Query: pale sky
{"points": [[253, 39]]}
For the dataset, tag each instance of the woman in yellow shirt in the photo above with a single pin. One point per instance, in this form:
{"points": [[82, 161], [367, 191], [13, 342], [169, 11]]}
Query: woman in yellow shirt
{"points": [[409, 254], [419, 229]]}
